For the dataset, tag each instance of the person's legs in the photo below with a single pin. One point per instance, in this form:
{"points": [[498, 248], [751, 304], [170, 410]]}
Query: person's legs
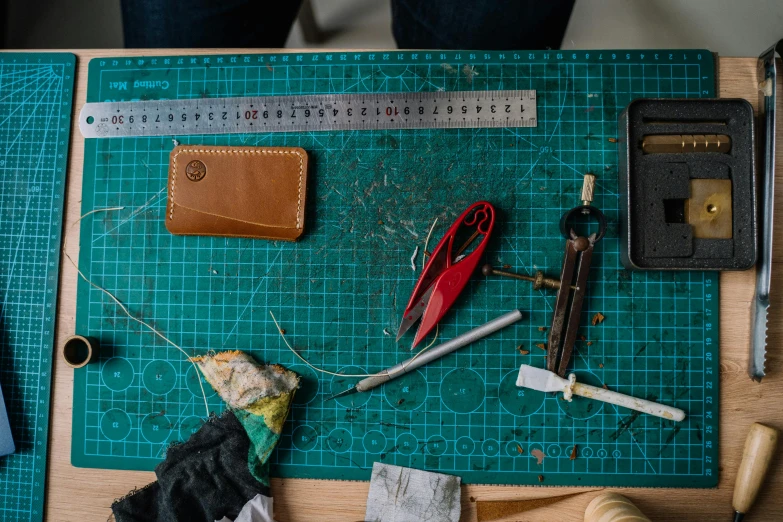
{"points": [[207, 23], [484, 24]]}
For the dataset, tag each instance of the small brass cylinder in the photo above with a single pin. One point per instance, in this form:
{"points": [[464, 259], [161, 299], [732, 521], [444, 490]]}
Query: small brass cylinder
{"points": [[588, 189], [79, 350], [680, 143]]}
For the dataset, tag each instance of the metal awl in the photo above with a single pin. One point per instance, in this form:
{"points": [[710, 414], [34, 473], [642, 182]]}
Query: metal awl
{"points": [[439, 351]]}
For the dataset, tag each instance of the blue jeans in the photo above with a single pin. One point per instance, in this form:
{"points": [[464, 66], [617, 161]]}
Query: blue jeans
{"points": [[416, 24]]}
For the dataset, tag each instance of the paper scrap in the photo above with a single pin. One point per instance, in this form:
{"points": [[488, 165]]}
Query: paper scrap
{"points": [[400, 494]]}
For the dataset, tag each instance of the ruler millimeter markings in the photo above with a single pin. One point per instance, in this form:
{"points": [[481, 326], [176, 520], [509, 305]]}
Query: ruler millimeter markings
{"points": [[318, 112]]}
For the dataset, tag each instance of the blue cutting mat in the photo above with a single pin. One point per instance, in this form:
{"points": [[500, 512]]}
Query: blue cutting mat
{"points": [[342, 288], [36, 92]]}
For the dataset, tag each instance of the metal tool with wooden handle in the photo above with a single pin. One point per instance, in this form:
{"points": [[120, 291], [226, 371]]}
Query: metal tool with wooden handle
{"points": [[546, 381], [759, 448]]}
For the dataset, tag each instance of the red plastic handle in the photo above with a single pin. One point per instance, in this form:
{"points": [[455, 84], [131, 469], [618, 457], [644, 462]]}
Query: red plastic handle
{"points": [[448, 278]]}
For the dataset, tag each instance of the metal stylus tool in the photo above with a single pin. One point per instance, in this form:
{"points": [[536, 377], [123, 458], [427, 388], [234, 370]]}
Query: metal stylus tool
{"points": [[439, 351]]}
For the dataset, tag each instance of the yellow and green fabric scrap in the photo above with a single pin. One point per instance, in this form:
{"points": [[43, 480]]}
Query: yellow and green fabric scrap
{"points": [[221, 473], [259, 395]]}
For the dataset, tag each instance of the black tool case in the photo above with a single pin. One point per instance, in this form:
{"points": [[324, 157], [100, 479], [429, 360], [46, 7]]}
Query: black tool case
{"points": [[654, 235]]}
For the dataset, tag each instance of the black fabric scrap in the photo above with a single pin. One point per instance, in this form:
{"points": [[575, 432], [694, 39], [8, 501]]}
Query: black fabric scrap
{"points": [[206, 478]]}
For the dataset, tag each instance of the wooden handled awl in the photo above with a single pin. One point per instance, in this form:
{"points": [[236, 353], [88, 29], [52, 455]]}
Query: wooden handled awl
{"points": [[759, 448]]}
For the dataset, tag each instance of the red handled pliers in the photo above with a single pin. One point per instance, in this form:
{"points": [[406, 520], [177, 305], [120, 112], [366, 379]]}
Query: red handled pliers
{"points": [[448, 271]]}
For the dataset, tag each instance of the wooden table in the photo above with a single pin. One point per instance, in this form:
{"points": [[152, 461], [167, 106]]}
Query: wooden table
{"points": [[86, 494]]}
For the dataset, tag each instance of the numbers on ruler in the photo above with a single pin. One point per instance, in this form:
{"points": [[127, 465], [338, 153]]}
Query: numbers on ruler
{"points": [[319, 113], [481, 109]]}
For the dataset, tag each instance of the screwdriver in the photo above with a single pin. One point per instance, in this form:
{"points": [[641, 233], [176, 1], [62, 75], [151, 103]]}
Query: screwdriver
{"points": [[756, 457]]}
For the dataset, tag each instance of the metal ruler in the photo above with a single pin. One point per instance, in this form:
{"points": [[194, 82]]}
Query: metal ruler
{"points": [[318, 112]]}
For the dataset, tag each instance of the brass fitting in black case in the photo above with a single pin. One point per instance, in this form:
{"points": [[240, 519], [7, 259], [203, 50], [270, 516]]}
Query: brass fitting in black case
{"points": [[687, 185]]}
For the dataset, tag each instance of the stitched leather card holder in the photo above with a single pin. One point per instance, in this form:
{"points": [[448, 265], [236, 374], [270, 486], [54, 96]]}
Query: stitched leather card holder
{"points": [[255, 192]]}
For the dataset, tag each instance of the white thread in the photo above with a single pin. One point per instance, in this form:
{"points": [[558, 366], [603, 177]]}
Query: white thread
{"points": [[280, 331], [122, 306], [427, 241], [172, 343]]}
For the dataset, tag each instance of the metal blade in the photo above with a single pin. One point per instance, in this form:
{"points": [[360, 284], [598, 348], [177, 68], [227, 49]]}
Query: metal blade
{"points": [[758, 339], [767, 75], [540, 379], [415, 313], [343, 393]]}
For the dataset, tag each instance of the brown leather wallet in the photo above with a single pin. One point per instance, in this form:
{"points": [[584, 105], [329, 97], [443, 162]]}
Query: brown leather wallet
{"points": [[255, 192]]}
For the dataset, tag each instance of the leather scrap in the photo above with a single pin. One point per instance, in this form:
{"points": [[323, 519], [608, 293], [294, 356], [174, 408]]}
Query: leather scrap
{"points": [[487, 510]]}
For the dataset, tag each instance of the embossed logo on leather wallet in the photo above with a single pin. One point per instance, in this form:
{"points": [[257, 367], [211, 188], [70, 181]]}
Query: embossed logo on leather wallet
{"points": [[255, 192]]}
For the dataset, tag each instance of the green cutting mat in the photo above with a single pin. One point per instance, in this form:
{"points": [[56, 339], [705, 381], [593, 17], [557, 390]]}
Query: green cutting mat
{"points": [[36, 91], [339, 292]]}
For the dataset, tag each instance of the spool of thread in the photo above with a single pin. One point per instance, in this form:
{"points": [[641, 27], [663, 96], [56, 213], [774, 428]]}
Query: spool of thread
{"points": [[613, 507], [78, 350]]}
